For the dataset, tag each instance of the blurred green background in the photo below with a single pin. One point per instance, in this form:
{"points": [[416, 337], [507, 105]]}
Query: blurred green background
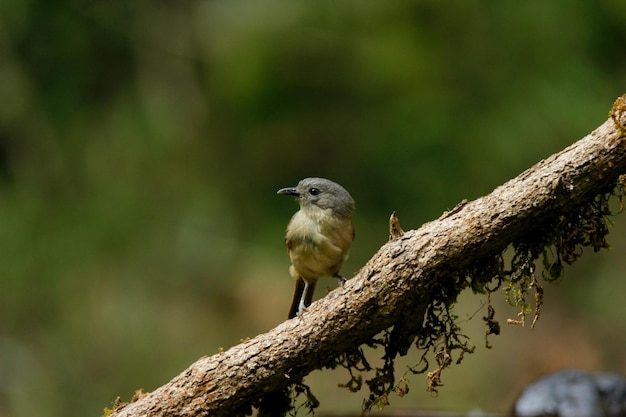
{"points": [[142, 144]]}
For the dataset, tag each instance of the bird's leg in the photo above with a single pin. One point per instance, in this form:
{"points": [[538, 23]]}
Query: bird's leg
{"points": [[302, 305], [307, 294], [297, 298]]}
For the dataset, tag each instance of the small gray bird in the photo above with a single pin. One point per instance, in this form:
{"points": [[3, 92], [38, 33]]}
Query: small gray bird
{"points": [[318, 236]]}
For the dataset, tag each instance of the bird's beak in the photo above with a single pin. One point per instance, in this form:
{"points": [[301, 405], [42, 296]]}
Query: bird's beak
{"points": [[288, 191]]}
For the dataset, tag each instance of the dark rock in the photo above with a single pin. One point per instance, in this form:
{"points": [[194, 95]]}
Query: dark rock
{"points": [[573, 393]]}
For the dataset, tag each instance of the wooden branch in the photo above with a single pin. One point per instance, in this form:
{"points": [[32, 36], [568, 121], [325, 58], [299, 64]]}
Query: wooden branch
{"points": [[398, 275]]}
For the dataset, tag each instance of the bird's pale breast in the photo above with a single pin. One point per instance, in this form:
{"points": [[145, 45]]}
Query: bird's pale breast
{"points": [[318, 243]]}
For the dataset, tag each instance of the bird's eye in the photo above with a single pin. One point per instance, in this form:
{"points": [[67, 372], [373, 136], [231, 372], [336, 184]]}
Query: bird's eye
{"points": [[314, 191]]}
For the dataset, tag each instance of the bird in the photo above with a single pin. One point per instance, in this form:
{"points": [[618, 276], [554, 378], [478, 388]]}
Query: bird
{"points": [[319, 236]]}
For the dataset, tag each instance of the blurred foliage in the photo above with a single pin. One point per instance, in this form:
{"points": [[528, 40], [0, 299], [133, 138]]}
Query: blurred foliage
{"points": [[141, 145]]}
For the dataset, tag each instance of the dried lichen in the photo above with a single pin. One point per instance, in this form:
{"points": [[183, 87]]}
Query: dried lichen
{"points": [[554, 243]]}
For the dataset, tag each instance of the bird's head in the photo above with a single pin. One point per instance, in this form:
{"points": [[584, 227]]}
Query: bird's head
{"points": [[323, 194]]}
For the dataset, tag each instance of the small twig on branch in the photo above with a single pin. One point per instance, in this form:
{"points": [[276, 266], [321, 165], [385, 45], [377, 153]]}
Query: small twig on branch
{"points": [[395, 231], [410, 284]]}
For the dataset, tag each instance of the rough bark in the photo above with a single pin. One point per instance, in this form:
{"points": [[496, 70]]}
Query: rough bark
{"points": [[398, 276]]}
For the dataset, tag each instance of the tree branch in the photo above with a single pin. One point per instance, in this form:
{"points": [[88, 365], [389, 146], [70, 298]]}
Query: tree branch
{"points": [[396, 286]]}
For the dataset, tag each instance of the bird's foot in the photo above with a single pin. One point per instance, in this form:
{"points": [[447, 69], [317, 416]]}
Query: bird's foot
{"points": [[341, 280], [301, 309]]}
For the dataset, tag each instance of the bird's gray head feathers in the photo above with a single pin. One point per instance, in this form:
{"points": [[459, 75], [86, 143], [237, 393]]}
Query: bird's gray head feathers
{"points": [[322, 193]]}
